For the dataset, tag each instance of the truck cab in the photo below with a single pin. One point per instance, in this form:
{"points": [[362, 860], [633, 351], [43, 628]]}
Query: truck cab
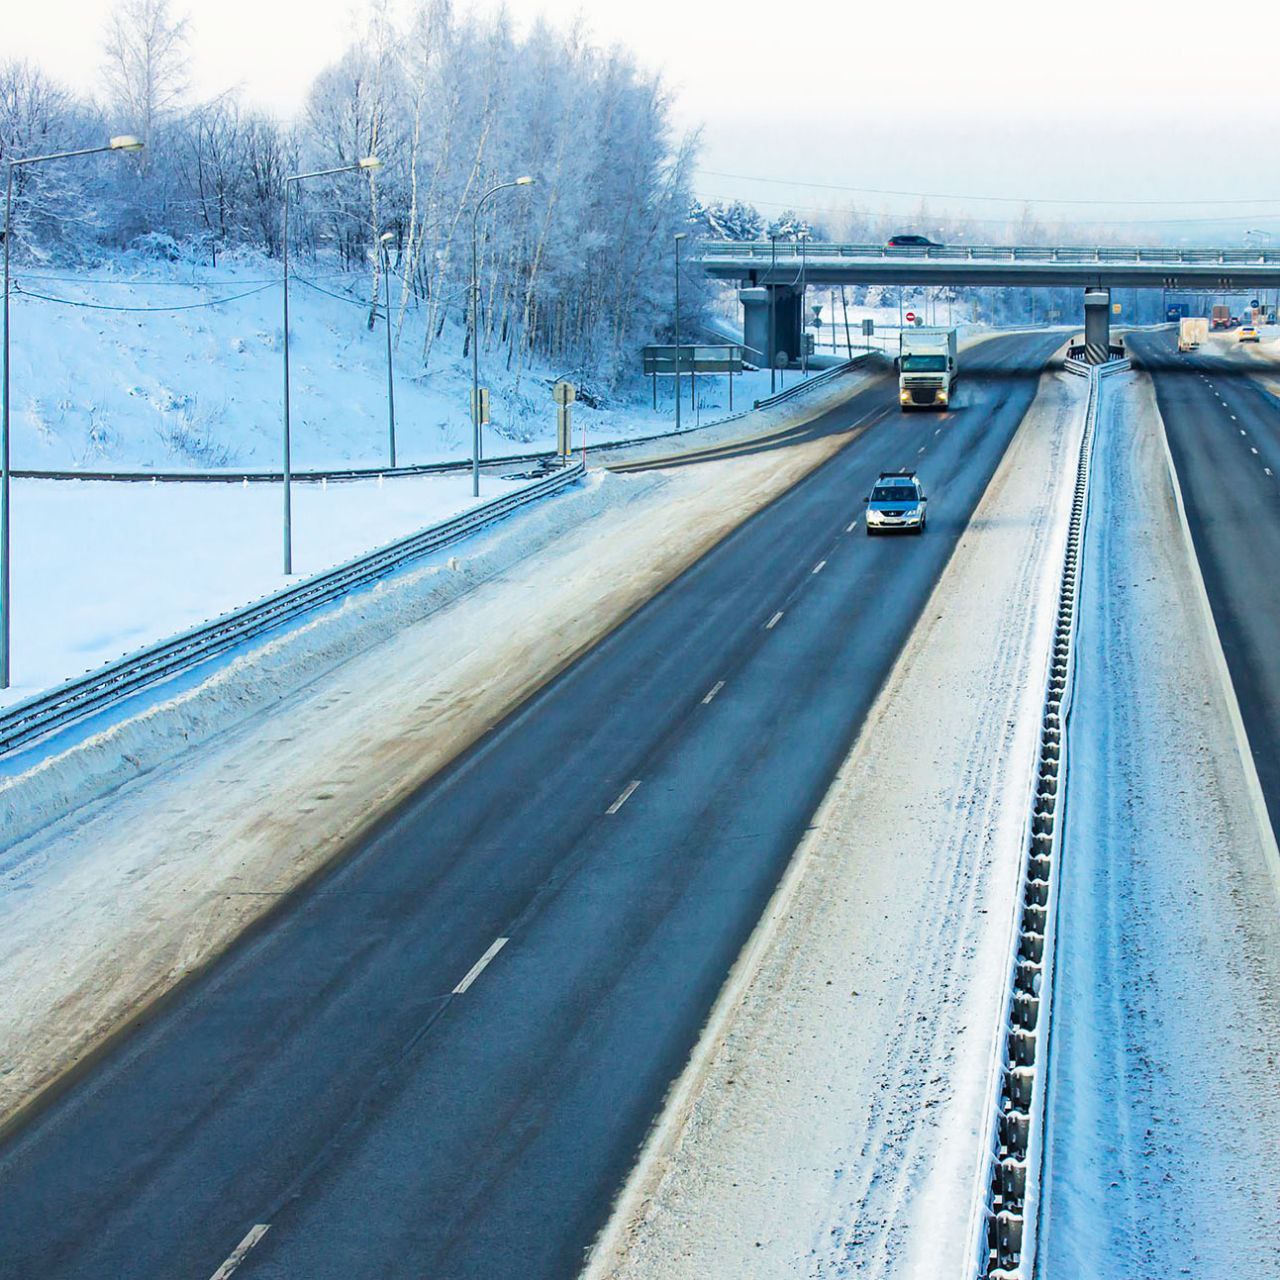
{"points": [[927, 368]]}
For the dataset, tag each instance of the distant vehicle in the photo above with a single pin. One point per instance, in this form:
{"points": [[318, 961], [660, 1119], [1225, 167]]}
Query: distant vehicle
{"points": [[912, 241], [896, 502], [927, 370], [1221, 317], [1192, 331], [1248, 334]]}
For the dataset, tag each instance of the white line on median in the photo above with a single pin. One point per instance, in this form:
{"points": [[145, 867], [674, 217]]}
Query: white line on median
{"points": [[624, 797], [480, 965], [715, 688], [238, 1253], [818, 568], [773, 622]]}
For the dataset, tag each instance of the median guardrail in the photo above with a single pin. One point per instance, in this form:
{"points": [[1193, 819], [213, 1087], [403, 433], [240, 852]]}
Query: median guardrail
{"points": [[67, 703], [1006, 1216]]}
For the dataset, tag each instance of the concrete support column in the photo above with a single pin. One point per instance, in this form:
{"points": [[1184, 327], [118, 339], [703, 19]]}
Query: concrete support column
{"points": [[1097, 325], [788, 323]]}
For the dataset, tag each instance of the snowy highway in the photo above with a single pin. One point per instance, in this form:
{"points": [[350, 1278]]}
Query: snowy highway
{"points": [[443, 1056]]}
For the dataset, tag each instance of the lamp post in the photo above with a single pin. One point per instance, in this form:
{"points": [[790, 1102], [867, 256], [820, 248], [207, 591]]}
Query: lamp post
{"points": [[804, 294], [384, 245], [523, 181], [125, 142], [367, 162], [773, 297], [679, 236]]}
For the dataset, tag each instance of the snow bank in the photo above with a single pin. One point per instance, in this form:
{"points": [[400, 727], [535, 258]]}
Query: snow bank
{"points": [[1164, 1080], [833, 1119]]}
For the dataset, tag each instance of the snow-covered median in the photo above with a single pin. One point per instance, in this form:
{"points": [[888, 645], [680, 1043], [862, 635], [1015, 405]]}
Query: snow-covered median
{"points": [[1164, 1089], [833, 1119]]}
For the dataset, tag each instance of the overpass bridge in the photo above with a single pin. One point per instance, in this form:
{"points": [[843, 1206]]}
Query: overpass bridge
{"points": [[772, 275]]}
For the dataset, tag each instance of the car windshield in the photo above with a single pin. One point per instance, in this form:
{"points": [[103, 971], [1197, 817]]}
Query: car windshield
{"points": [[893, 493], [924, 364]]}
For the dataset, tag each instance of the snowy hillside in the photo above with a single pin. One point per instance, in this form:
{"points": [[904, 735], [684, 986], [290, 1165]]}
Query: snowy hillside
{"points": [[172, 365]]}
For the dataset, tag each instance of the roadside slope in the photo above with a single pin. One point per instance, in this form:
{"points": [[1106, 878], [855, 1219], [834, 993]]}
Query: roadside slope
{"points": [[831, 1120]]}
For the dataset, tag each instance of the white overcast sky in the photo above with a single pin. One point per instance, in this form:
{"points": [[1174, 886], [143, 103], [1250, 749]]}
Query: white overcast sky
{"points": [[1080, 100]]}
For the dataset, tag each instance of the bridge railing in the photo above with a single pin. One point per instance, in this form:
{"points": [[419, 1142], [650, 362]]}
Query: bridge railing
{"points": [[790, 251]]}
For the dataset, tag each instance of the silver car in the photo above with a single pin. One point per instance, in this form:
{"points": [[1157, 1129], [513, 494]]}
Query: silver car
{"points": [[896, 502]]}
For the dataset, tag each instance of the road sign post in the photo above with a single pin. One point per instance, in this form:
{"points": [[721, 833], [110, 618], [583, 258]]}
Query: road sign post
{"points": [[564, 394]]}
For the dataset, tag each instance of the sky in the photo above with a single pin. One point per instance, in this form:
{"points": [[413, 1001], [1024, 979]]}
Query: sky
{"points": [[1111, 106]]}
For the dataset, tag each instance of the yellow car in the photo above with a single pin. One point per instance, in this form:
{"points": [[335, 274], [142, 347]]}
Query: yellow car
{"points": [[1248, 334]]}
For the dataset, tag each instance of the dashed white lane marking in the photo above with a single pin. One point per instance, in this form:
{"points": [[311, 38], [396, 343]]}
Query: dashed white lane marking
{"points": [[1242, 431], [1252, 449], [1267, 470], [851, 526], [818, 568], [480, 965], [241, 1250], [773, 622], [938, 432], [715, 688], [919, 451], [1234, 418], [624, 797]]}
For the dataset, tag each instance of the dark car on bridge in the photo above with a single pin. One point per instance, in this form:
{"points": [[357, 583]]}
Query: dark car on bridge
{"points": [[911, 241]]}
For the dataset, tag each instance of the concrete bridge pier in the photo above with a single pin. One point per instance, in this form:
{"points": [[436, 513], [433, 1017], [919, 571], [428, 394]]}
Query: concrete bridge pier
{"points": [[788, 323], [1097, 325]]}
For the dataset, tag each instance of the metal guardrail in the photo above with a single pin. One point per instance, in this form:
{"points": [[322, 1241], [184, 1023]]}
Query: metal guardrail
{"points": [[71, 701], [791, 250], [818, 380], [1003, 1235]]}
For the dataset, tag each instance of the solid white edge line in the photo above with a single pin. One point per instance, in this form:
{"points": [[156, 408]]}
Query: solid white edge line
{"points": [[715, 688], [773, 622], [480, 965], [624, 797], [252, 1237], [818, 568]]}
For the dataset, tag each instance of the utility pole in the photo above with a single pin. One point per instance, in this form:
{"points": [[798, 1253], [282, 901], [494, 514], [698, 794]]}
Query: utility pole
{"points": [[773, 297], [679, 237]]}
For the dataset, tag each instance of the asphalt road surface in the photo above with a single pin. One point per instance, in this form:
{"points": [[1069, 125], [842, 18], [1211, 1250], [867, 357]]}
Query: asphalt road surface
{"points": [[1224, 435], [392, 1089]]}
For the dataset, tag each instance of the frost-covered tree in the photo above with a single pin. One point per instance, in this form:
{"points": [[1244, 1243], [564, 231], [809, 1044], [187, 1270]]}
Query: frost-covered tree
{"points": [[145, 65]]}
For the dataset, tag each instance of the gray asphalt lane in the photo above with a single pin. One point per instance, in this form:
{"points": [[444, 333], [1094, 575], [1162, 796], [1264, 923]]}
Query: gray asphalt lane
{"points": [[1224, 434], [325, 1080]]}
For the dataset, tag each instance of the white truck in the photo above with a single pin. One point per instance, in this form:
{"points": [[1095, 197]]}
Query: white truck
{"points": [[927, 369], [1192, 331]]}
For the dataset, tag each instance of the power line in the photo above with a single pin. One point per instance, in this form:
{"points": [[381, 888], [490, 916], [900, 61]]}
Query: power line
{"points": [[951, 195], [102, 306]]}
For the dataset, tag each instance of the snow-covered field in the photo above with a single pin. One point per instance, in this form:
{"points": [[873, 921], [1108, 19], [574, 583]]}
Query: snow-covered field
{"points": [[1164, 1092], [201, 388], [834, 1116], [101, 569]]}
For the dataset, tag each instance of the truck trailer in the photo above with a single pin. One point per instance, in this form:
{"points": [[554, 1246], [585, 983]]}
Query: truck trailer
{"points": [[927, 369], [1221, 316], [1192, 331]]}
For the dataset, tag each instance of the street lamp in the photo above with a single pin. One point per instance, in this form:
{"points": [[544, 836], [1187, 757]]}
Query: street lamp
{"points": [[680, 235], [124, 142], [804, 287], [367, 162], [475, 326], [384, 244], [773, 296]]}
